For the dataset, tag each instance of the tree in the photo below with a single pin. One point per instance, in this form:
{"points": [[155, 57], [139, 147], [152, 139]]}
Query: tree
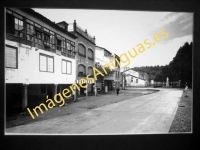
{"points": [[180, 68]]}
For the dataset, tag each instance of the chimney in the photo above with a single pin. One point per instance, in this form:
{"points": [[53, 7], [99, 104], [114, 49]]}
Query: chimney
{"points": [[74, 25]]}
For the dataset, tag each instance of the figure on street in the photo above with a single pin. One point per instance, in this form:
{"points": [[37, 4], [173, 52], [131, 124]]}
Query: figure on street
{"points": [[117, 91]]}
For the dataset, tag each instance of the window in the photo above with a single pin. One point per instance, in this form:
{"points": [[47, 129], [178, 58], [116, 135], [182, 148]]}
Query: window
{"points": [[63, 46], [46, 63], [90, 71], [81, 70], [59, 44], [90, 54], [38, 36], [38, 39], [30, 30], [14, 24], [68, 45], [131, 78], [23, 30], [81, 50], [70, 49], [19, 27], [46, 39], [136, 80], [73, 49], [66, 67], [52, 40], [11, 57]]}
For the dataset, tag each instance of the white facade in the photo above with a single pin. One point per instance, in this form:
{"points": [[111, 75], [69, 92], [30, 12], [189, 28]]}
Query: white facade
{"points": [[112, 78], [134, 81], [133, 78], [100, 57], [28, 70]]}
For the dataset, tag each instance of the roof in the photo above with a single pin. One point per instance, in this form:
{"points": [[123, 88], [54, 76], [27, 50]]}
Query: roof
{"points": [[104, 49], [134, 76], [63, 22], [39, 16], [117, 56]]}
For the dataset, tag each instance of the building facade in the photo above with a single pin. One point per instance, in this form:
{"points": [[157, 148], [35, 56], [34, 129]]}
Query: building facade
{"points": [[39, 57], [111, 80], [133, 78], [85, 58]]}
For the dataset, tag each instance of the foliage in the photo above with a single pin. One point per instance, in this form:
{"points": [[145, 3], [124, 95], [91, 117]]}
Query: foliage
{"points": [[152, 71], [180, 68]]}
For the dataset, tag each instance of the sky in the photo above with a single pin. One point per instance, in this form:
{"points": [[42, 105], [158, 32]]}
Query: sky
{"points": [[119, 31]]}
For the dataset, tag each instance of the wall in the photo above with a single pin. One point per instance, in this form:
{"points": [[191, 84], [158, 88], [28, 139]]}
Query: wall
{"points": [[99, 57], [87, 63], [28, 67], [129, 83]]}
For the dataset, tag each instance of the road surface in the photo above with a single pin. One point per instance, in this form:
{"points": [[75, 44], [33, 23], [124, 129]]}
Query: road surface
{"points": [[147, 114]]}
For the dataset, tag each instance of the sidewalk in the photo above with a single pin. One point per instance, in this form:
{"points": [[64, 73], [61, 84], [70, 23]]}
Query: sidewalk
{"points": [[152, 113], [183, 120], [83, 104]]}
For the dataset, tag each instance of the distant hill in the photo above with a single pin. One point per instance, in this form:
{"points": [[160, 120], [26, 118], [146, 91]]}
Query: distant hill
{"points": [[152, 71]]}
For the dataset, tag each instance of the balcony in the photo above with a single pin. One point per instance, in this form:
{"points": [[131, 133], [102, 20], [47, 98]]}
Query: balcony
{"points": [[42, 45], [15, 38]]}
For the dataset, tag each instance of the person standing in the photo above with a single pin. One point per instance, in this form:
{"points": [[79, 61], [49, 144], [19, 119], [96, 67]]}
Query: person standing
{"points": [[186, 88], [117, 91]]}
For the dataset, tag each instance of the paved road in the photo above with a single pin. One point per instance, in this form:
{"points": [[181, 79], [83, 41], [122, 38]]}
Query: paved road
{"points": [[146, 114]]}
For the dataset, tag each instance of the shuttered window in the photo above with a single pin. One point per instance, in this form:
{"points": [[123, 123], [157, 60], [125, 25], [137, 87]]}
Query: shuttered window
{"points": [[90, 71], [46, 63], [81, 50], [81, 70], [90, 54], [11, 57], [66, 67]]}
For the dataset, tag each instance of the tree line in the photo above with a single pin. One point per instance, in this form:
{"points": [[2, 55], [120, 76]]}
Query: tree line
{"points": [[179, 69]]}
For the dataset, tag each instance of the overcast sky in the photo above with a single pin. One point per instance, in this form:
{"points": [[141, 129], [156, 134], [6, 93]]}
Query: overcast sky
{"points": [[120, 31]]}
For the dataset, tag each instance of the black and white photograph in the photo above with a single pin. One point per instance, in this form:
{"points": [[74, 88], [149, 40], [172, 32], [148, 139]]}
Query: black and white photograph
{"points": [[98, 71]]}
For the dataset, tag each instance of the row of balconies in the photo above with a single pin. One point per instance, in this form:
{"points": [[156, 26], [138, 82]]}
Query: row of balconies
{"points": [[42, 45]]}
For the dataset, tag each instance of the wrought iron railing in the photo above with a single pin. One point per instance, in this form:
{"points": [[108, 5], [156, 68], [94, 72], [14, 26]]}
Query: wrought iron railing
{"points": [[41, 45]]}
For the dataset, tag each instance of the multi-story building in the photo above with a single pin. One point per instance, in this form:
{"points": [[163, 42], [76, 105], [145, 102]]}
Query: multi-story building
{"points": [[85, 58], [111, 80], [39, 58]]}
